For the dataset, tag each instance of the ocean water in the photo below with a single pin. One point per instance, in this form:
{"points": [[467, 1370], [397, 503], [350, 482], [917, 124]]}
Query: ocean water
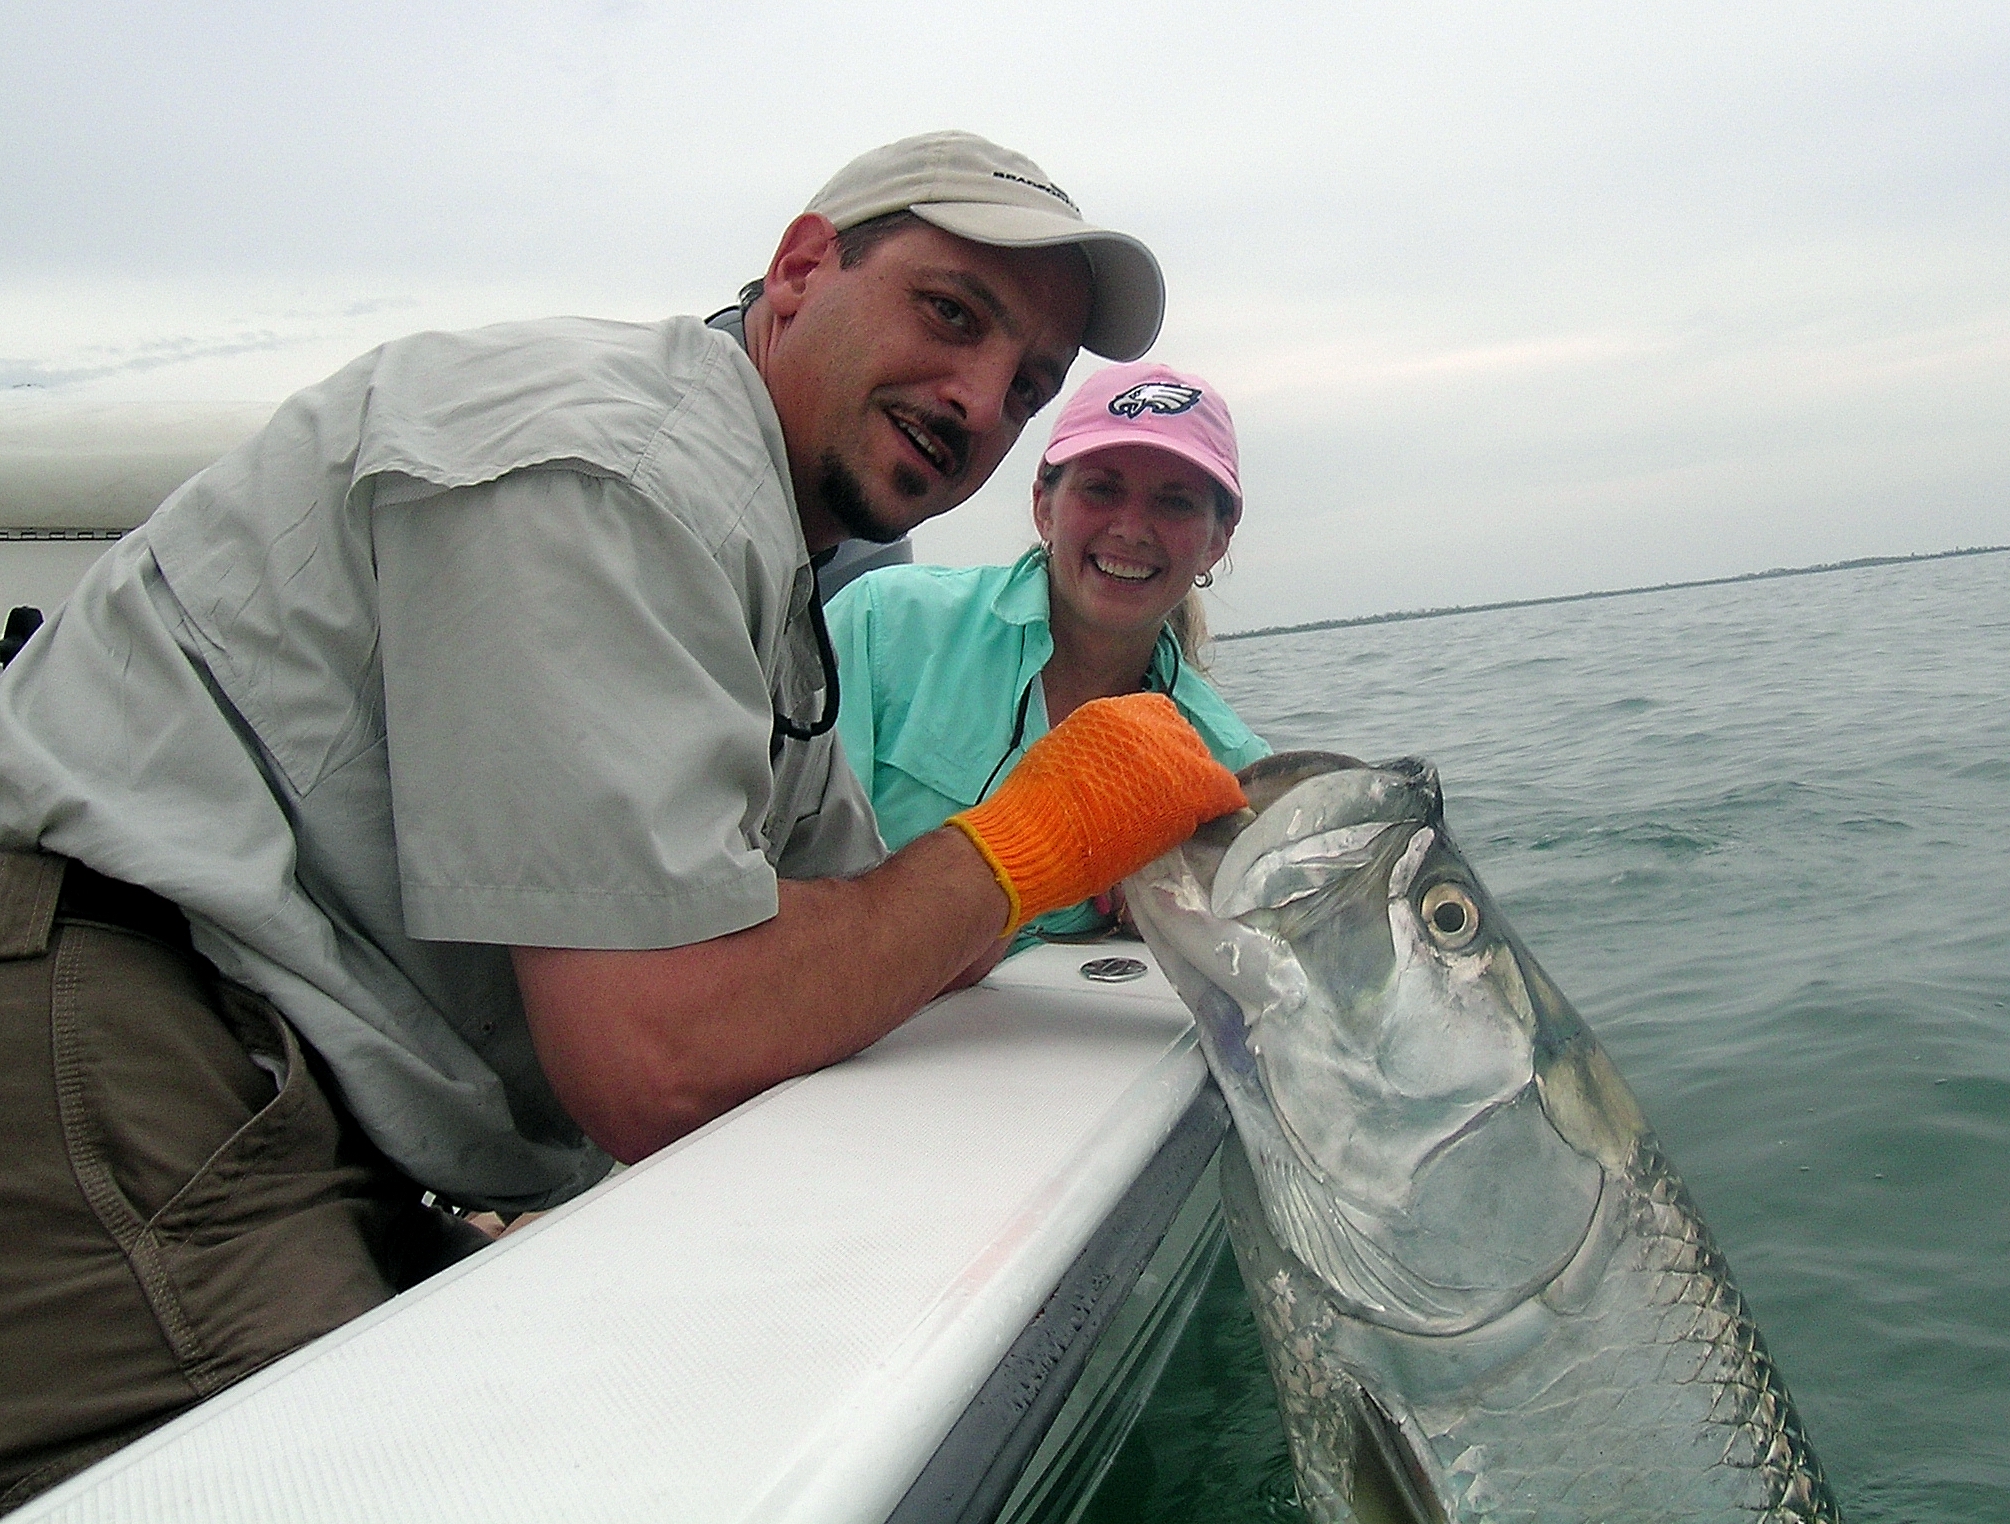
{"points": [[1760, 835]]}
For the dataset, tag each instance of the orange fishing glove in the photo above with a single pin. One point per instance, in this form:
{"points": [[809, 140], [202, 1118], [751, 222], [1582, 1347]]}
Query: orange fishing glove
{"points": [[1111, 787]]}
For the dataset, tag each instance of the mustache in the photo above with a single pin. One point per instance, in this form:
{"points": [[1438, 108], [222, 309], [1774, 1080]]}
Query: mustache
{"points": [[947, 430]]}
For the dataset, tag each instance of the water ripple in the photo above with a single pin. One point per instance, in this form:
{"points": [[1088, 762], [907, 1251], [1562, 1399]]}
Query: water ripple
{"points": [[1756, 832]]}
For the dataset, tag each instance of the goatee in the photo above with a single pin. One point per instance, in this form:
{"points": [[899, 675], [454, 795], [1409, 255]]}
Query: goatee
{"points": [[844, 499]]}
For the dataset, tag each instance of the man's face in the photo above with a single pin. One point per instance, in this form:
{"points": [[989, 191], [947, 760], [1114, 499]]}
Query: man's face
{"points": [[902, 382]]}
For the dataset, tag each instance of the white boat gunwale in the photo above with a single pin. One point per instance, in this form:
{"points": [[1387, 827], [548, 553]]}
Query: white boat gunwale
{"points": [[784, 1316]]}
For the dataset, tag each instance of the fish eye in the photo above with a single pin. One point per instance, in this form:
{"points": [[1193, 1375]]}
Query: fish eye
{"points": [[1450, 916]]}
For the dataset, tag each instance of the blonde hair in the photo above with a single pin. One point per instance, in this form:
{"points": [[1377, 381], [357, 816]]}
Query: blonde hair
{"points": [[1188, 623]]}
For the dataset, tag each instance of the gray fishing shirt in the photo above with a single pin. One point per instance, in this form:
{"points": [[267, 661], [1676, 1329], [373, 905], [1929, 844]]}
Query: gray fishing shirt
{"points": [[478, 643]]}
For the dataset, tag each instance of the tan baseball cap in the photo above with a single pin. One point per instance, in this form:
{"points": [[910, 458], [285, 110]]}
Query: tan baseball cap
{"points": [[968, 186]]}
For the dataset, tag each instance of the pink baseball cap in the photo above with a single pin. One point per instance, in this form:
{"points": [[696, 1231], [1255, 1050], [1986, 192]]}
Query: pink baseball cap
{"points": [[1150, 404]]}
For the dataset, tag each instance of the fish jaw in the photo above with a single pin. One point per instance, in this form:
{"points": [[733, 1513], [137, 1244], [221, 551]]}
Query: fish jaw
{"points": [[1386, 1094], [1370, 1081], [1222, 971]]}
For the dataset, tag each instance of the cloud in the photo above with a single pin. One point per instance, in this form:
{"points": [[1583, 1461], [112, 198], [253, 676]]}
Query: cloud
{"points": [[1564, 291], [135, 360]]}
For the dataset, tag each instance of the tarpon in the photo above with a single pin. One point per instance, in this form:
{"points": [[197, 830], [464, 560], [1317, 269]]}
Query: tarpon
{"points": [[1483, 1291]]}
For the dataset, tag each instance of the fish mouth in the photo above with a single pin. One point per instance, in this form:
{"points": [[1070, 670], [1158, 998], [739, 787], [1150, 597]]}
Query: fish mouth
{"points": [[1403, 790], [1269, 779], [941, 442]]}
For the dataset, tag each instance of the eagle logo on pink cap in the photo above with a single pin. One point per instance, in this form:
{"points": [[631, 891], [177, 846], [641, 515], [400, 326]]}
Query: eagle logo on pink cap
{"points": [[1154, 397]]}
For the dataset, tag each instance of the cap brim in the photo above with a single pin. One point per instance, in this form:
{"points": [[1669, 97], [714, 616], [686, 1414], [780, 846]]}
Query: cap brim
{"points": [[1128, 294], [1091, 440]]}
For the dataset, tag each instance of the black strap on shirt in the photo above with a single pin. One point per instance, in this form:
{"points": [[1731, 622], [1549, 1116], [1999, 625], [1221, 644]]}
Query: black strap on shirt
{"points": [[733, 321], [21, 623], [1166, 638]]}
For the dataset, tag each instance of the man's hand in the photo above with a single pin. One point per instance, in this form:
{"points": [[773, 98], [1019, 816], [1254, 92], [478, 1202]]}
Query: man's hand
{"points": [[1115, 784]]}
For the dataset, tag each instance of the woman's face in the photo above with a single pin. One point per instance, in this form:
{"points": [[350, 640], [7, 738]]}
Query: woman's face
{"points": [[1129, 528]]}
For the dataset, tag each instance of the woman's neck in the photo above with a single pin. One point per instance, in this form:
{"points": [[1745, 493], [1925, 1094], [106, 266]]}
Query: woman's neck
{"points": [[1092, 664]]}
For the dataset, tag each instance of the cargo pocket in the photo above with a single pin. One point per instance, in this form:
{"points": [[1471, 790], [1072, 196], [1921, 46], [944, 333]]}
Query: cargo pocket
{"points": [[266, 1240]]}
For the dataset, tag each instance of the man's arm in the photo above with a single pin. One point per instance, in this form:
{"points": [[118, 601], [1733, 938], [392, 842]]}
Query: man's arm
{"points": [[642, 1047]]}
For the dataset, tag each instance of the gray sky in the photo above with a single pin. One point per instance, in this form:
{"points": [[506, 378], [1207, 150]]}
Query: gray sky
{"points": [[1508, 300]]}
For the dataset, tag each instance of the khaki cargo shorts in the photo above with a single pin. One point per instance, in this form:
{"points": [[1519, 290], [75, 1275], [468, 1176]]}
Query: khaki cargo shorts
{"points": [[180, 1203]]}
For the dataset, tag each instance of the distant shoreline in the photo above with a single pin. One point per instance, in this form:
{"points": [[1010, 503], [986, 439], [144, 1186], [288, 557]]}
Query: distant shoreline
{"points": [[1616, 592]]}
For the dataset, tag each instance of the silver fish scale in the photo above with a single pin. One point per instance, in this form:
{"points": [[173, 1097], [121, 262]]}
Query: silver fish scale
{"points": [[1578, 1427], [1711, 1337]]}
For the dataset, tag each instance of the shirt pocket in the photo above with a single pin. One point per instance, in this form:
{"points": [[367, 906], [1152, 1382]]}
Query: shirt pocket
{"points": [[946, 757]]}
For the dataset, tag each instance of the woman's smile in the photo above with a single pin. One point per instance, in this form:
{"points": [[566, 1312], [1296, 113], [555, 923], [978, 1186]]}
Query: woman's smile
{"points": [[1123, 571]]}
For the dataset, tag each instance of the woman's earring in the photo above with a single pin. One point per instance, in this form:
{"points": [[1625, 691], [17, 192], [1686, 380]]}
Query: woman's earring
{"points": [[1046, 551], [1205, 579]]}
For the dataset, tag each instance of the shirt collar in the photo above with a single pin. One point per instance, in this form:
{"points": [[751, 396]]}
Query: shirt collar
{"points": [[733, 321], [1167, 669], [1023, 598], [1023, 601]]}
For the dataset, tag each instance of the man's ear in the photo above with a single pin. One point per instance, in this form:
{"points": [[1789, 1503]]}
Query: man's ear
{"points": [[808, 244]]}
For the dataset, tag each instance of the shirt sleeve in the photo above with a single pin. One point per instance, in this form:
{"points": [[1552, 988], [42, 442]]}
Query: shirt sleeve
{"points": [[1233, 743], [576, 719], [840, 839]]}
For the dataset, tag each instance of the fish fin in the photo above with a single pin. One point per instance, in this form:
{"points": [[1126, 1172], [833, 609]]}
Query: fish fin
{"points": [[1355, 1463], [1391, 1484], [1313, 1224], [1588, 1104]]}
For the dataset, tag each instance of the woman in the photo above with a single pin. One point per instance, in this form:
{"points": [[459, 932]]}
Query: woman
{"points": [[949, 674]]}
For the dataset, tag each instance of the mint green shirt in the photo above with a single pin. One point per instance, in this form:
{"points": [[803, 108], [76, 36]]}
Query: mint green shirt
{"points": [[933, 662]]}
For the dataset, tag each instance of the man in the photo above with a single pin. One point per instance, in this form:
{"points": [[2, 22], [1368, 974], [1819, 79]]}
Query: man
{"points": [[472, 723]]}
